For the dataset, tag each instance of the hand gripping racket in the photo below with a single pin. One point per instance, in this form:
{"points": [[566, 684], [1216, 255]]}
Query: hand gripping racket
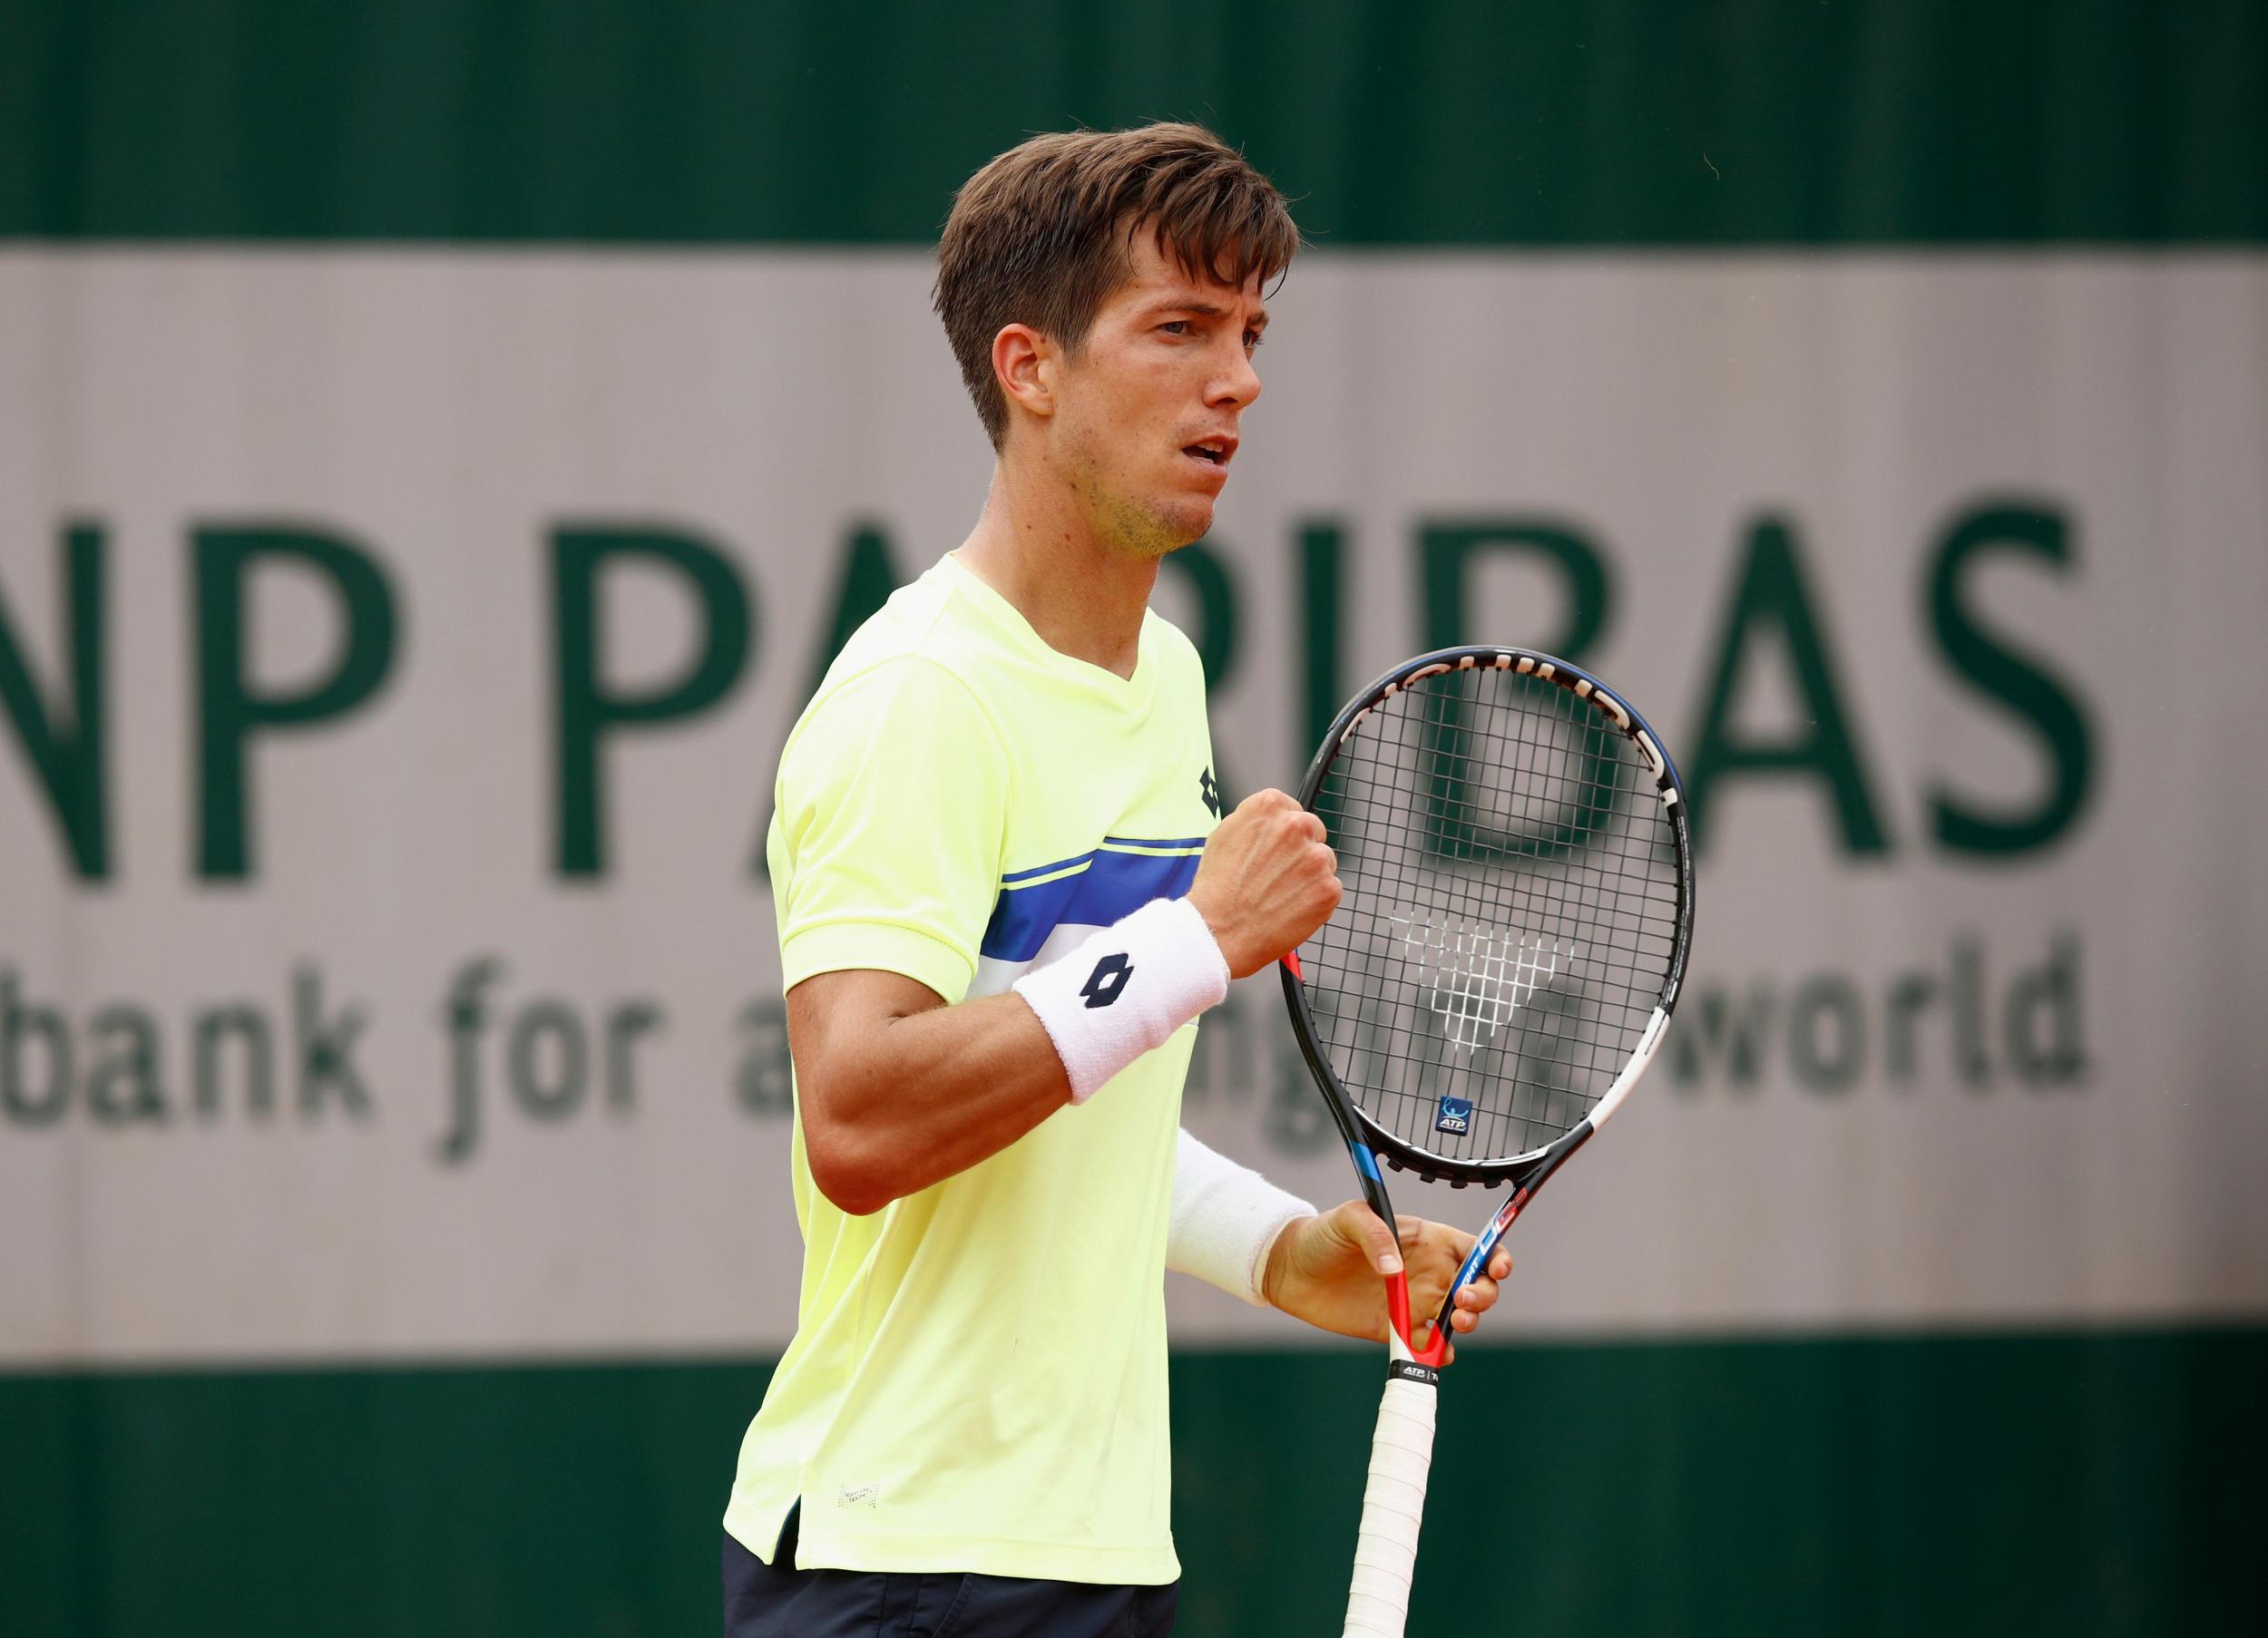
{"points": [[1518, 906]]}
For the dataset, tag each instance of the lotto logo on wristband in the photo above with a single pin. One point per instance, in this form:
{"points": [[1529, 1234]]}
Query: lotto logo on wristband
{"points": [[1098, 1019], [1108, 978]]}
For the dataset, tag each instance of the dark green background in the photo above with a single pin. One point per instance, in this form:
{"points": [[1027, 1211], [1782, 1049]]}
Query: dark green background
{"points": [[1551, 122], [1995, 1485]]}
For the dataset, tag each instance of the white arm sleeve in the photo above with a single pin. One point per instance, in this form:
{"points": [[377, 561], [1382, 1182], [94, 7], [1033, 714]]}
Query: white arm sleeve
{"points": [[1225, 1218]]}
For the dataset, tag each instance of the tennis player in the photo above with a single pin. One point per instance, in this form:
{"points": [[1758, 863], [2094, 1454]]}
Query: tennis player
{"points": [[1005, 894]]}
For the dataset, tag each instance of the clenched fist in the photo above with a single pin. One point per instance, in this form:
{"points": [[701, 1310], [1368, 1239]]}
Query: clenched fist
{"points": [[1266, 880]]}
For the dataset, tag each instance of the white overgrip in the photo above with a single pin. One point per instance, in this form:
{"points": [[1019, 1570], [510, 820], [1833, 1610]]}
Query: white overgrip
{"points": [[1393, 1507]]}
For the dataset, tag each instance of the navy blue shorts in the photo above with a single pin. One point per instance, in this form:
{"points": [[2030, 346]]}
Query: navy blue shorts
{"points": [[779, 1601]]}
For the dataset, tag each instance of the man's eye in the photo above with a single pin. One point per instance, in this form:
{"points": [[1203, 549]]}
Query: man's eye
{"points": [[1252, 340], [1176, 327]]}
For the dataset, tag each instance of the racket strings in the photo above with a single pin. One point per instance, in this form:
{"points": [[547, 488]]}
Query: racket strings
{"points": [[1510, 915]]}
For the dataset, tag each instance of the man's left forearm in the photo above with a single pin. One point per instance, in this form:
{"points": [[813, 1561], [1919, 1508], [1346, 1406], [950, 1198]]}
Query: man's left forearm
{"points": [[1225, 1218]]}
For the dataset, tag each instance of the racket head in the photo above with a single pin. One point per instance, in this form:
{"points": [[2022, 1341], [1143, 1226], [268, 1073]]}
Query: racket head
{"points": [[1517, 914]]}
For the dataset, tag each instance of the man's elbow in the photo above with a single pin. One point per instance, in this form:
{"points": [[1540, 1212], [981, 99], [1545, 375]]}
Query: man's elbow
{"points": [[846, 1168]]}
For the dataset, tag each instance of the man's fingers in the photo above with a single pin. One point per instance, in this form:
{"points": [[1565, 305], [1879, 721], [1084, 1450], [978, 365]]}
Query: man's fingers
{"points": [[1436, 1250], [1426, 1232]]}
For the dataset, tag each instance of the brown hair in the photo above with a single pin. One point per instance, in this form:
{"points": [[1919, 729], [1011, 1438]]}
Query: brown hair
{"points": [[1044, 233]]}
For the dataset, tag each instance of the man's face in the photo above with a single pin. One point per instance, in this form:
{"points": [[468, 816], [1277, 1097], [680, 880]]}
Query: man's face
{"points": [[1147, 407]]}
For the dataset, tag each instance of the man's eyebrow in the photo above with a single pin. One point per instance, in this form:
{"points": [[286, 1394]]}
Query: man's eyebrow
{"points": [[1210, 309]]}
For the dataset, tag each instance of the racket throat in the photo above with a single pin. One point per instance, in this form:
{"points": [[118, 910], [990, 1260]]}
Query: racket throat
{"points": [[1400, 1349]]}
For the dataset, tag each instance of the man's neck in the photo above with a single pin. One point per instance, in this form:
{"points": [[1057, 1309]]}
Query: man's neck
{"points": [[1083, 594]]}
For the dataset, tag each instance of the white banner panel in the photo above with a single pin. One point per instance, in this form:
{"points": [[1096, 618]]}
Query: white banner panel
{"points": [[379, 976]]}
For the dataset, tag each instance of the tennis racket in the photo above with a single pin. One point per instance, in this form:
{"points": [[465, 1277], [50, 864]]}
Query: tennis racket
{"points": [[1517, 911]]}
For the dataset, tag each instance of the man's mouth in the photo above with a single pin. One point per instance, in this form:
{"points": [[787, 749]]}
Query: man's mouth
{"points": [[1215, 449]]}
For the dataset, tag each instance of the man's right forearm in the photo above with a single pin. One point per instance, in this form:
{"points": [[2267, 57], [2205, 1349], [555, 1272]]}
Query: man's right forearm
{"points": [[889, 1111]]}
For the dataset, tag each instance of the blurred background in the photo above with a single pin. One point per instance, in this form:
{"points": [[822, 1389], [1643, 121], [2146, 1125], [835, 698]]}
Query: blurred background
{"points": [[441, 444]]}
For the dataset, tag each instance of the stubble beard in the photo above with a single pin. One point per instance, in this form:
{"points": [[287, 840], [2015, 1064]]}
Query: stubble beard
{"points": [[1136, 528], [1149, 532]]}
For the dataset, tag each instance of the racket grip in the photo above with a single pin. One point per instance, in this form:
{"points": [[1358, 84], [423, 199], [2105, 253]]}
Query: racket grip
{"points": [[1393, 1506]]}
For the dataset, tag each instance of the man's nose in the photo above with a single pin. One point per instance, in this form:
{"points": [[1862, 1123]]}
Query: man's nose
{"points": [[1239, 384]]}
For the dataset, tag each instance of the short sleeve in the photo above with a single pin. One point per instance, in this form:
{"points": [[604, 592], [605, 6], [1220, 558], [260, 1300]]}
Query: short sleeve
{"points": [[891, 801]]}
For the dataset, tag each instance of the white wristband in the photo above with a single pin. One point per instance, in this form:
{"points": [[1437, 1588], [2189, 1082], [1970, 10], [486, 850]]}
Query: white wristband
{"points": [[1125, 990], [1225, 1218]]}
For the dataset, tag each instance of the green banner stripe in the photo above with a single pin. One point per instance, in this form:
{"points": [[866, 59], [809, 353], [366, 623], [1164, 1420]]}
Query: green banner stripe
{"points": [[1558, 122], [2077, 1484]]}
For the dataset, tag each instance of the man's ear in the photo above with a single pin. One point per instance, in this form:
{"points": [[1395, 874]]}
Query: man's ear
{"points": [[1025, 364]]}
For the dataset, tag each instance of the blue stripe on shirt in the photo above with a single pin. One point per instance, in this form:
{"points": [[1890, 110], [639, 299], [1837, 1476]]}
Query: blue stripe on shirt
{"points": [[1110, 886]]}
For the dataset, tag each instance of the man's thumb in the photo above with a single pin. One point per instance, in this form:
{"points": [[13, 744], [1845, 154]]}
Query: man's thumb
{"points": [[1377, 1240]]}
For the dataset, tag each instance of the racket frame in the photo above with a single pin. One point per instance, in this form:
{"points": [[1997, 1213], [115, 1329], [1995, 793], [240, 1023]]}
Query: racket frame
{"points": [[1367, 1142]]}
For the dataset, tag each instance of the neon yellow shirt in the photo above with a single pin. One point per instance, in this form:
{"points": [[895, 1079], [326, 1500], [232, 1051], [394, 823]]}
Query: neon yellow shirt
{"points": [[977, 1381]]}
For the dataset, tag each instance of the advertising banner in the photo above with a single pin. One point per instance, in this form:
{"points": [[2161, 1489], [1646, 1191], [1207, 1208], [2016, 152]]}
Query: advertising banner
{"points": [[396, 645]]}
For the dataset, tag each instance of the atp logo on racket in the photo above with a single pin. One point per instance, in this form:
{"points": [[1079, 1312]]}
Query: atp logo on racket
{"points": [[1479, 976]]}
